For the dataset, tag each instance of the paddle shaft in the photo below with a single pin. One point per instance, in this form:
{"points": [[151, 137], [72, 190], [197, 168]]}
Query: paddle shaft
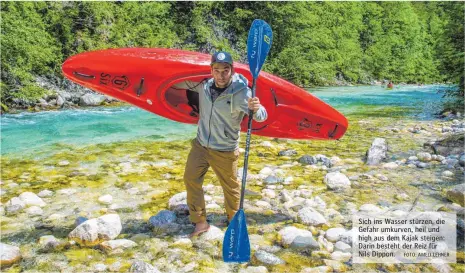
{"points": [[236, 245], [247, 148]]}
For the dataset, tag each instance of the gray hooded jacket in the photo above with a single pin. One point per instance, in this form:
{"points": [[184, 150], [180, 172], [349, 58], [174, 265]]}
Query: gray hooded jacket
{"points": [[220, 121]]}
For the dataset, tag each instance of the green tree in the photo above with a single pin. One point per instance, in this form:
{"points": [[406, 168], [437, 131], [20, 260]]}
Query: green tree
{"points": [[314, 43], [27, 49], [451, 50]]}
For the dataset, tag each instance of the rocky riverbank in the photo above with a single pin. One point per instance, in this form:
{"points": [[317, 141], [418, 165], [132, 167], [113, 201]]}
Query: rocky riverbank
{"points": [[62, 94], [120, 207]]}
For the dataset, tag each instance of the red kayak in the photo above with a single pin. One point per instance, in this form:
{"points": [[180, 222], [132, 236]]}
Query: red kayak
{"points": [[145, 78]]}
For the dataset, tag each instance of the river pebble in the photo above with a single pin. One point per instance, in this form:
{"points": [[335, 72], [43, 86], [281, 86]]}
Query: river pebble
{"points": [[9, 254], [377, 151], [268, 258], [337, 181], [31, 199], [310, 216], [96, 230], [334, 234]]}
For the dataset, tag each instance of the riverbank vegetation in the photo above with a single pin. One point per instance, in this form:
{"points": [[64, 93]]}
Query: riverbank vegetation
{"points": [[315, 43]]}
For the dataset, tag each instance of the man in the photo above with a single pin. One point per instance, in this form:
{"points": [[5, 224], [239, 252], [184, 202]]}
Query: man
{"points": [[390, 85], [224, 100]]}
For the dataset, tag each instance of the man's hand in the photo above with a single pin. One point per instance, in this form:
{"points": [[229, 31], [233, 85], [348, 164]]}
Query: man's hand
{"points": [[254, 104]]}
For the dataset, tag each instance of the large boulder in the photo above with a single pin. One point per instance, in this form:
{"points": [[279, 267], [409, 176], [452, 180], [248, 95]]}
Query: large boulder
{"points": [[91, 100], [178, 203], [288, 152], [341, 256], [31, 199], [113, 245], [213, 234], [293, 237], [162, 219], [456, 194], [60, 101], [94, 231], [335, 234], [308, 160], [451, 145], [310, 216], [268, 258], [271, 179], [15, 205], [424, 157], [337, 181], [9, 255], [377, 151], [49, 242], [143, 267]]}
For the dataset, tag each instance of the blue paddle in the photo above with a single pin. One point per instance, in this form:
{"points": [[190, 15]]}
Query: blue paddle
{"points": [[236, 245]]}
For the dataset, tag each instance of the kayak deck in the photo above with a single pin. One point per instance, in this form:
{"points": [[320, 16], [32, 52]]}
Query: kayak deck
{"points": [[145, 77]]}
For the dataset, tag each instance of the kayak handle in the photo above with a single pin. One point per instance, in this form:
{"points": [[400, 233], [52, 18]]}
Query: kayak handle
{"points": [[84, 75], [258, 129], [331, 134], [139, 90], [274, 96]]}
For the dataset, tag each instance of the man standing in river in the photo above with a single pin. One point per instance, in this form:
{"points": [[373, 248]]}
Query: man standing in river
{"points": [[224, 100]]}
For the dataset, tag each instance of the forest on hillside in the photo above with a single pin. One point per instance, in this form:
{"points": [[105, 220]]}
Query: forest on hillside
{"points": [[314, 43]]}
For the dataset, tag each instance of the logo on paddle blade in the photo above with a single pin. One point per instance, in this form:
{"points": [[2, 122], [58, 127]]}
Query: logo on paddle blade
{"points": [[255, 40], [267, 39], [231, 243]]}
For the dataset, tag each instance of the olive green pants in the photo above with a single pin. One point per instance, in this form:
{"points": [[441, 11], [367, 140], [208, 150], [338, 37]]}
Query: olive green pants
{"points": [[224, 164]]}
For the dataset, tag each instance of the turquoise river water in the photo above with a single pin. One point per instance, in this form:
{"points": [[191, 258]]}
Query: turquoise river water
{"points": [[27, 133]]}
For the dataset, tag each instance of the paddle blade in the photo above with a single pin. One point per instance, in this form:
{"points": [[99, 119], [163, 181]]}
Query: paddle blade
{"points": [[236, 246], [258, 45]]}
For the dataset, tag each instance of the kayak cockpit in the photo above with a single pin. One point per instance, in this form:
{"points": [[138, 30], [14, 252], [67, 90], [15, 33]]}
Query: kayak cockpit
{"points": [[182, 97], [183, 100]]}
